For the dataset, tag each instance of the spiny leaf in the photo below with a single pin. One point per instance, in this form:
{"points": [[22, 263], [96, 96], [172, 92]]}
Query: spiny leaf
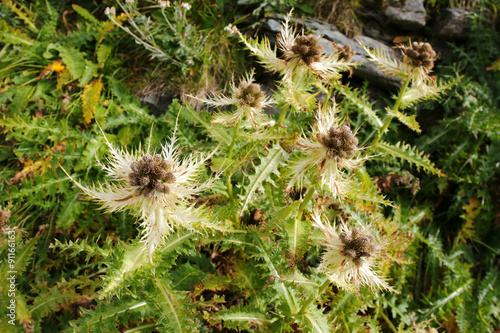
{"points": [[410, 121], [357, 98], [263, 172], [410, 154], [174, 317], [242, 318], [90, 98], [424, 92], [86, 15], [50, 301], [135, 257]]}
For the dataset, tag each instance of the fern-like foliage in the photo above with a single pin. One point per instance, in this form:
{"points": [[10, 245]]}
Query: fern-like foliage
{"points": [[410, 154]]}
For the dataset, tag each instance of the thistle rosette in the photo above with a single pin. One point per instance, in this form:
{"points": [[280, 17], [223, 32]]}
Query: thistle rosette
{"points": [[301, 54], [328, 152], [156, 187], [350, 256], [249, 99]]}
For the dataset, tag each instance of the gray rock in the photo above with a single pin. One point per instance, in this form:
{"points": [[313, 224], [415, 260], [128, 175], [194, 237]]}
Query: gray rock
{"points": [[409, 15], [452, 24]]}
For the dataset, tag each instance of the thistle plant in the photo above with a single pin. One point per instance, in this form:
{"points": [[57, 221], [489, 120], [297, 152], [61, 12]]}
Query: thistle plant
{"points": [[350, 256], [331, 150], [250, 102], [301, 237], [155, 187]]}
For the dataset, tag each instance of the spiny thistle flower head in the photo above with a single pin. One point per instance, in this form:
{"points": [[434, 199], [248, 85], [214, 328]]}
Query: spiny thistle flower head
{"points": [[350, 256], [155, 187], [340, 142], [415, 67], [307, 48], [249, 100], [151, 173], [249, 95], [419, 54], [301, 54], [331, 148], [345, 51]]}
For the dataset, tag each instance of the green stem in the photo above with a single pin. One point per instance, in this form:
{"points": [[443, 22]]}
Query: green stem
{"points": [[328, 96], [395, 108], [309, 194], [233, 141], [283, 113], [229, 185], [391, 325], [311, 299]]}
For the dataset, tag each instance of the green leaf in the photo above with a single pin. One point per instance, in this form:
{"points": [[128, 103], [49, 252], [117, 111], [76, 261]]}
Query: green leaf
{"points": [[410, 121], [135, 257], [410, 154], [86, 15], [355, 97], [69, 211], [268, 165]]}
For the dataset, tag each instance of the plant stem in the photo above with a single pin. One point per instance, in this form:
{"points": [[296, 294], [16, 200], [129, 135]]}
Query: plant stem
{"points": [[328, 96], [283, 115], [391, 325], [311, 299], [395, 108], [309, 194], [229, 186], [233, 141]]}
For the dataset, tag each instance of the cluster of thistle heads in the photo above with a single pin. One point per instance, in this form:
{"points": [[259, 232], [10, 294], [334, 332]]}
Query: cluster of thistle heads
{"points": [[151, 173], [249, 94], [357, 244], [419, 54], [162, 186], [340, 141]]}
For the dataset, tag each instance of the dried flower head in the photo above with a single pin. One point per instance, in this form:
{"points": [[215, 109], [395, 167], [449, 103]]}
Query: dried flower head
{"points": [[419, 54], [345, 51], [307, 48], [186, 5], [4, 217], [130, 2], [302, 54], [231, 28], [417, 62], [331, 148], [156, 187], [350, 256], [163, 3], [110, 11], [249, 99]]}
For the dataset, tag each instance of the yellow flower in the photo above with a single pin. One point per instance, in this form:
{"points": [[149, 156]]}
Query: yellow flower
{"points": [[58, 66]]}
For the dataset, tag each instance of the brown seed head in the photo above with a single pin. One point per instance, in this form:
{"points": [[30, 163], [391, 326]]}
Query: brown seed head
{"points": [[249, 94], [345, 52], [419, 54], [340, 142], [307, 48], [357, 244], [150, 174]]}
